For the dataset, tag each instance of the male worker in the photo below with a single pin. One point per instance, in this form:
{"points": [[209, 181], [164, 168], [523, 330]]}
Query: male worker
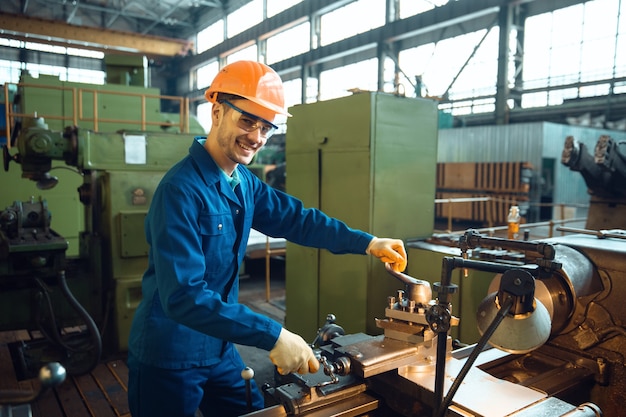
{"points": [[181, 354]]}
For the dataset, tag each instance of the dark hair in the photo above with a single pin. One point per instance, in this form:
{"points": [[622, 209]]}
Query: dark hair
{"points": [[221, 97]]}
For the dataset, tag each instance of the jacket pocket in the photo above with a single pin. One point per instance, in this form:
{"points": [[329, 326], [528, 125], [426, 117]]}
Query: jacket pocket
{"points": [[218, 239]]}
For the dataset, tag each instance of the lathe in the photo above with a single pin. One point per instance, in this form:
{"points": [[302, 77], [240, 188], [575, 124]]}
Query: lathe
{"points": [[560, 342], [553, 335]]}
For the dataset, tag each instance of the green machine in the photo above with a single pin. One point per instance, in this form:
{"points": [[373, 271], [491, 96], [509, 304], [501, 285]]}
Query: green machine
{"points": [[368, 159], [90, 279]]}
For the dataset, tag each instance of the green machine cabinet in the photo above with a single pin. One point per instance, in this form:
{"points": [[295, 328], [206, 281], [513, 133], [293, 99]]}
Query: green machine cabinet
{"points": [[425, 260], [370, 160]]}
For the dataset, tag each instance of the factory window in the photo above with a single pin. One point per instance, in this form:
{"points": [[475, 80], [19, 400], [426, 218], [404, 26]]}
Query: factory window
{"points": [[249, 53], [312, 87], [412, 7], [67, 74], [77, 75], [363, 15], [85, 53], [210, 36], [339, 82], [10, 71], [244, 18], [11, 43], [461, 67], [42, 69], [276, 6], [578, 44], [288, 43], [76, 69], [203, 114], [206, 73], [293, 92], [35, 46]]}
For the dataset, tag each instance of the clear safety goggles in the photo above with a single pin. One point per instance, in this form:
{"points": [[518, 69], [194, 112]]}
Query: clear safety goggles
{"points": [[249, 122]]}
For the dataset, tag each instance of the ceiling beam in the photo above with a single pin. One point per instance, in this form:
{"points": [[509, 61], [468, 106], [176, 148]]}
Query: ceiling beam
{"points": [[47, 30]]}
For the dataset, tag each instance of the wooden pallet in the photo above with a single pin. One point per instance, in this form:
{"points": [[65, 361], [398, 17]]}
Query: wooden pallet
{"points": [[503, 183], [100, 393], [499, 177]]}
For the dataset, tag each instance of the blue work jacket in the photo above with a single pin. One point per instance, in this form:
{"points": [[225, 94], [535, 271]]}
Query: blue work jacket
{"points": [[197, 228]]}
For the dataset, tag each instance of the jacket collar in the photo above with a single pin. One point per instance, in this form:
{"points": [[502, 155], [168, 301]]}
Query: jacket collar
{"points": [[210, 172]]}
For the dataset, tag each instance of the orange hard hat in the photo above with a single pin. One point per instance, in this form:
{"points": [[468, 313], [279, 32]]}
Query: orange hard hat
{"points": [[253, 81]]}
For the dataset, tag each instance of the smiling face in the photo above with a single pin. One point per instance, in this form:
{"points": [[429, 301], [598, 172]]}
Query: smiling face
{"points": [[229, 144]]}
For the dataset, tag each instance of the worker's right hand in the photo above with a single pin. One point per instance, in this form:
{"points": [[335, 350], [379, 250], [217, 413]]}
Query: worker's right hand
{"points": [[292, 354]]}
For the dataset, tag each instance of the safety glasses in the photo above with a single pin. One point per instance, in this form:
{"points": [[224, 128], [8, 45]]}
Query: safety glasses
{"points": [[249, 122]]}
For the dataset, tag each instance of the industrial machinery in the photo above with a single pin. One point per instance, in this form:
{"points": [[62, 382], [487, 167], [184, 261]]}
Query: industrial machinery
{"points": [[556, 319], [604, 173], [112, 143], [554, 314], [41, 288], [553, 318]]}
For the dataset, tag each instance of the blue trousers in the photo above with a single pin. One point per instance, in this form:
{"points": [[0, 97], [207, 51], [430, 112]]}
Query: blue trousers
{"points": [[217, 390]]}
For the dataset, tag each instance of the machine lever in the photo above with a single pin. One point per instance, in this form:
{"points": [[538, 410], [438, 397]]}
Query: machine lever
{"points": [[419, 290], [50, 376]]}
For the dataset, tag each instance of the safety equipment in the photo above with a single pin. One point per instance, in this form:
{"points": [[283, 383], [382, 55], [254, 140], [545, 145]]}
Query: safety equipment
{"points": [[249, 122], [292, 354], [390, 251], [253, 81]]}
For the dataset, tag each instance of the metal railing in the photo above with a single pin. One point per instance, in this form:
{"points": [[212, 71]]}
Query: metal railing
{"points": [[491, 229], [78, 114]]}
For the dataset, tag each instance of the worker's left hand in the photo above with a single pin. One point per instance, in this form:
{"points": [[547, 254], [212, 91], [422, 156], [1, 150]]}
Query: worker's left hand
{"points": [[390, 251]]}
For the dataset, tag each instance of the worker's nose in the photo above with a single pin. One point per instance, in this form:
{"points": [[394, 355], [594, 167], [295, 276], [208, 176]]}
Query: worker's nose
{"points": [[256, 138]]}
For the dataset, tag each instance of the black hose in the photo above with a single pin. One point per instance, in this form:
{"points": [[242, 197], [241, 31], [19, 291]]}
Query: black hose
{"points": [[91, 325], [55, 337]]}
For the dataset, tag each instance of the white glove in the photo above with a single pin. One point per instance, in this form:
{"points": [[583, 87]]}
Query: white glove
{"points": [[292, 354]]}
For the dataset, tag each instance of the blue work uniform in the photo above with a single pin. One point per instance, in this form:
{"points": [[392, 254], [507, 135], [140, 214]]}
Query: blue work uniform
{"points": [[181, 340]]}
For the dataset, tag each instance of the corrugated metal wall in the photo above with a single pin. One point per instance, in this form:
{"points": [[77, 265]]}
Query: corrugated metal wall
{"points": [[529, 142]]}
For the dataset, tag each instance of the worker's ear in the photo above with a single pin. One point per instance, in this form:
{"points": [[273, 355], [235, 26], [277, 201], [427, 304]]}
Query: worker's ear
{"points": [[217, 113]]}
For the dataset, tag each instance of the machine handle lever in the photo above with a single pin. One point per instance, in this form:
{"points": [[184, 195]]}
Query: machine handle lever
{"points": [[404, 277], [50, 376], [419, 290]]}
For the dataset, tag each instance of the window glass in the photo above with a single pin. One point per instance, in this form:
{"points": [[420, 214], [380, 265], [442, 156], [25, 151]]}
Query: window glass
{"points": [[45, 48], [206, 73], [339, 81], [244, 18], [40, 69], [9, 71], [448, 66], [580, 43], [249, 53], [276, 6], [293, 92], [210, 37], [412, 7], [288, 43], [362, 16], [203, 114], [86, 53], [86, 76]]}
